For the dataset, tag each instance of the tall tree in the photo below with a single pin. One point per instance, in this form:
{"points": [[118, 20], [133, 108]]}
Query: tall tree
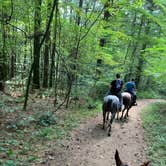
{"points": [[47, 49], [3, 58], [53, 50], [36, 44]]}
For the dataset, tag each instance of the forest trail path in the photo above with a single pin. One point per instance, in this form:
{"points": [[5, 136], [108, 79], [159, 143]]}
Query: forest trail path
{"points": [[90, 145]]}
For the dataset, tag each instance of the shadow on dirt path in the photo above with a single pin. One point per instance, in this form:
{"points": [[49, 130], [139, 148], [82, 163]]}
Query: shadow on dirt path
{"points": [[90, 145]]}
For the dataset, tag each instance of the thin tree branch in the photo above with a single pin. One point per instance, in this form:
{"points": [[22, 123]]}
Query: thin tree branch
{"points": [[90, 14], [92, 24], [49, 23], [9, 18], [17, 28]]}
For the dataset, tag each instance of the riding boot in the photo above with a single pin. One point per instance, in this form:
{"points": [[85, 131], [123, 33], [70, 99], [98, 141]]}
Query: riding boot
{"points": [[134, 101]]}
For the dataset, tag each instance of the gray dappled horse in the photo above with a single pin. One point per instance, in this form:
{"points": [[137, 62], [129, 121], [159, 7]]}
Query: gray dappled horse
{"points": [[110, 104]]}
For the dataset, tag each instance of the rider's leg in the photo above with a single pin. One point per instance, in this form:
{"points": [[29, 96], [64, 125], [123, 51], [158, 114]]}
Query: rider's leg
{"points": [[119, 95], [134, 97]]}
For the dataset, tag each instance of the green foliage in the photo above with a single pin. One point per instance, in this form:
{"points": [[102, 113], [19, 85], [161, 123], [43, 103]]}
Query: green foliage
{"points": [[10, 163], [20, 123], [155, 127], [99, 90], [45, 132], [47, 119], [148, 94], [125, 34]]}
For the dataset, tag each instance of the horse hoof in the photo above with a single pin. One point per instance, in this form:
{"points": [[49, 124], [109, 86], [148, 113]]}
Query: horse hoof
{"points": [[109, 134]]}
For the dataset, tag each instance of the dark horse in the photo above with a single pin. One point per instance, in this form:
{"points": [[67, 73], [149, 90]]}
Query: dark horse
{"points": [[120, 163], [110, 104], [127, 102]]}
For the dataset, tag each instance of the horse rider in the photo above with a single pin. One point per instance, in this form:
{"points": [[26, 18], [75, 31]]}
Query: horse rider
{"points": [[131, 88], [115, 89]]}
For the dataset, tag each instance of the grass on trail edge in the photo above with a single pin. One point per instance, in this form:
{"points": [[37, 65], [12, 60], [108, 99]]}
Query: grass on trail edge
{"points": [[154, 123]]}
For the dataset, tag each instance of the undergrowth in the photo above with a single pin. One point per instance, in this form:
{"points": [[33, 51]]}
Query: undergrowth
{"points": [[24, 139], [149, 94], [155, 126]]}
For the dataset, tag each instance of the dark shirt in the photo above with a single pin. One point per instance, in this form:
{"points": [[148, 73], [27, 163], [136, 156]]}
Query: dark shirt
{"points": [[116, 86]]}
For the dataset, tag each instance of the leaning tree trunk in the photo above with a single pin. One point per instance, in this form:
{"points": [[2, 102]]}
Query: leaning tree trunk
{"points": [[39, 47]]}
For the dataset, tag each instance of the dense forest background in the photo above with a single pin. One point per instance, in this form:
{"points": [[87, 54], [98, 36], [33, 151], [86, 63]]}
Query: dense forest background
{"points": [[70, 49]]}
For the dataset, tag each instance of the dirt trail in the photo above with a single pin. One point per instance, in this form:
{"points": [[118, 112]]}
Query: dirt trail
{"points": [[90, 145]]}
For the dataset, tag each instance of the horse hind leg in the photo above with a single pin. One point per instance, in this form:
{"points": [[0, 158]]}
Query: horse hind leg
{"points": [[109, 130], [127, 113], [108, 115], [125, 117], [109, 127], [122, 113], [104, 115], [117, 115], [110, 123]]}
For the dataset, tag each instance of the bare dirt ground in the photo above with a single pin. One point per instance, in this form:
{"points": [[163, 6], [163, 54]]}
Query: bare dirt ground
{"points": [[90, 145]]}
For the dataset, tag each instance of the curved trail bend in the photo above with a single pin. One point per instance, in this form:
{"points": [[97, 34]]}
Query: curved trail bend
{"points": [[90, 145]]}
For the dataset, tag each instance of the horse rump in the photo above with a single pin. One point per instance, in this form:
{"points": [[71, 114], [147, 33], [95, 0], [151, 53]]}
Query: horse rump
{"points": [[111, 104]]}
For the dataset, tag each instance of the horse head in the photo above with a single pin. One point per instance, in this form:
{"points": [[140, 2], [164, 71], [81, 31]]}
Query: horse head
{"points": [[120, 163], [118, 160]]}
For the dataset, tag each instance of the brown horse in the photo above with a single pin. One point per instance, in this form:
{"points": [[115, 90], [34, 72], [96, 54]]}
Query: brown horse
{"points": [[120, 163], [128, 103]]}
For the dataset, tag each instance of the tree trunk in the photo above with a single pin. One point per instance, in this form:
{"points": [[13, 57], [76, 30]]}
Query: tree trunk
{"points": [[39, 47], [3, 60], [36, 45], [102, 41], [141, 57], [46, 51], [140, 65], [52, 66], [57, 63], [13, 65]]}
